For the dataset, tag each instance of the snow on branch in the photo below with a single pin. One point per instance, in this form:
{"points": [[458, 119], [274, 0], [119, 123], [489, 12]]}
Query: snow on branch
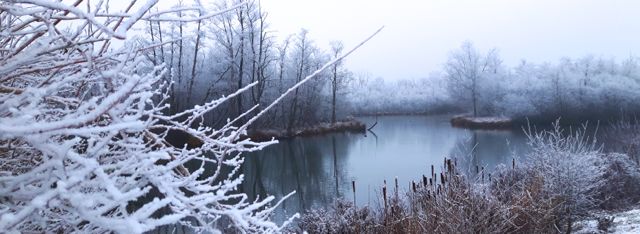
{"points": [[82, 144], [83, 128]]}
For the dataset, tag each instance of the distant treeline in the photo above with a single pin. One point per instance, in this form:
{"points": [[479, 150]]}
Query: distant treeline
{"points": [[574, 89], [376, 96], [585, 88]]}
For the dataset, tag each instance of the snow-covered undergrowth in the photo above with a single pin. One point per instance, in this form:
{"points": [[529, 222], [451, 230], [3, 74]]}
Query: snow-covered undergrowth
{"points": [[617, 222], [83, 128]]}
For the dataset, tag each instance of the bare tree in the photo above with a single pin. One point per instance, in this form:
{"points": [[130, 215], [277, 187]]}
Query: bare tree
{"points": [[336, 49], [261, 45], [303, 53], [195, 60], [465, 70]]}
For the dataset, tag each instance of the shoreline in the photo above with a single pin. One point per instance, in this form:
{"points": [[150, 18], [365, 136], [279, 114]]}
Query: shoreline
{"points": [[403, 114]]}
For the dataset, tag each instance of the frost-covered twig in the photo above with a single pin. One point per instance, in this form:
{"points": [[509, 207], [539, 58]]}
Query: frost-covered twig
{"points": [[83, 129], [81, 136]]}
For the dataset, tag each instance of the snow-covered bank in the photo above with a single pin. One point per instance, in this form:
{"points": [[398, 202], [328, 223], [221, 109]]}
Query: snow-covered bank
{"points": [[466, 121], [619, 222]]}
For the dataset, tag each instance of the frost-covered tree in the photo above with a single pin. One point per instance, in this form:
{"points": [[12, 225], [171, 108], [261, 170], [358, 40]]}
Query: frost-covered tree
{"points": [[467, 70], [367, 95], [336, 49], [84, 132]]}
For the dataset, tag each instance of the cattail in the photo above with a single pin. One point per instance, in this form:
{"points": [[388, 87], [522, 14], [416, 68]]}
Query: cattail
{"points": [[513, 163], [384, 194], [413, 186], [477, 170], [442, 178], [424, 181], [396, 188], [430, 181], [353, 185], [432, 171]]}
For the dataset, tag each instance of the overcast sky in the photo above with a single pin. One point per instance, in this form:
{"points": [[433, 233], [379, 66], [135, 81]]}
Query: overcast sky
{"points": [[420, 34]]}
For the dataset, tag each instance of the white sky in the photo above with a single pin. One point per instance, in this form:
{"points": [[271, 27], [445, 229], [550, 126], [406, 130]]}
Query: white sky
{"points": [[419, 34]]}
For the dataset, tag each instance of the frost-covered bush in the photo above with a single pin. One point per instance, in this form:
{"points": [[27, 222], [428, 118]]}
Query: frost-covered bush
{"points": [[621, 182], [521, 191], [624, 137], [342, 217], [571, 164]]}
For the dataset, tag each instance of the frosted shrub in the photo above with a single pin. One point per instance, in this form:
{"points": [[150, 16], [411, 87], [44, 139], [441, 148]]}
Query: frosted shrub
{"points": [[624, 137], [571, 166], [621, 182], [342, 217]]}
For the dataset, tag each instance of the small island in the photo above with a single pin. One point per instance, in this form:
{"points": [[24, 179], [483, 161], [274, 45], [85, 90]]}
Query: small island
{"points": [[471, 122], [349, 125]]}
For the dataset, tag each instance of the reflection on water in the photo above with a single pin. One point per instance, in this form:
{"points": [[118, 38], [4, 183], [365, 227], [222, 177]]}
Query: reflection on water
{"points": [[322, 168]]}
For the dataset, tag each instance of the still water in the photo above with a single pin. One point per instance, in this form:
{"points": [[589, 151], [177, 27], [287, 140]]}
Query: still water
{"points": [[322, 168]]}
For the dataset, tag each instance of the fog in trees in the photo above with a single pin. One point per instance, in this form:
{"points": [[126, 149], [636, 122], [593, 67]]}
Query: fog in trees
{"points": [[214, 116]]}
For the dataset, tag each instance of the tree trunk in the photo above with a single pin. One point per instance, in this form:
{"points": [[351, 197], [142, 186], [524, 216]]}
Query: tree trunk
{"points": [[161, 41], [195, 61], [179, 64], [241, 65], [334, 90]]}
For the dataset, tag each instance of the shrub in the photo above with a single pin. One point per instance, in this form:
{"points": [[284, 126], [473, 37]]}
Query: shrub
{"points": [[343, 217]]}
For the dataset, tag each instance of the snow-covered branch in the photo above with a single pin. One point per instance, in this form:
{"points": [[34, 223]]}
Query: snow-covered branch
{"points": [[82, 134], [84, 130]]}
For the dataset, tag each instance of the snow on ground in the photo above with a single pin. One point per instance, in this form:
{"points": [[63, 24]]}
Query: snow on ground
{"points": [[623, 222]]}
